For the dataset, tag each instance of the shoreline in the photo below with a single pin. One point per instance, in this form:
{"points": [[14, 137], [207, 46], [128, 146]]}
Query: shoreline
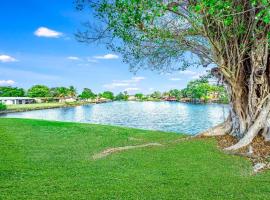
{"points": [[45, 106]]}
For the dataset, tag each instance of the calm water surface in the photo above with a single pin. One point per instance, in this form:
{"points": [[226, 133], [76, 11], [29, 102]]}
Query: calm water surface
{"points": [[165, 116]]}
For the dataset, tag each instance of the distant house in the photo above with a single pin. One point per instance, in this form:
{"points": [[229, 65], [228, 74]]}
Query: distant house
{"points": [[55, 99], [132, 98], [101, 100], [167, 98], [214, 96], [67, 100], [186, 99], [16, 100]]}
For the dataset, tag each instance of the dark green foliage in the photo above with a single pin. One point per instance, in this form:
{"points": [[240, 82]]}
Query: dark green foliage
{"points": [[39, 91], [87, 94], [173, 35], [201, 89], [147, 33], [62, 92], [175, 93], [139, 96], [59, 92], [107, 95], [121, 96], [198, 89], [11, 92], [156, 95], [2, 107], [72, 92]]}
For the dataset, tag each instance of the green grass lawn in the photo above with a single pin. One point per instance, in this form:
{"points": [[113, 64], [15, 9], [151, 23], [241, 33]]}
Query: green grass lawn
{"points": [[33, 106], [38, 106], [53, 160]]}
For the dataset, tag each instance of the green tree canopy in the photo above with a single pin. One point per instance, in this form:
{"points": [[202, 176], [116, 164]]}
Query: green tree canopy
{"points": [[120, 97], [2, 107], [72, 92], [175, 93], [87, 94], [156, 95], [139, 96], [107, 95], [39, 91], [11, 92], [60, 92]]}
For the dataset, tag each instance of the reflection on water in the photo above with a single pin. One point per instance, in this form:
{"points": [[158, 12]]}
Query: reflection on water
{"points": [[165, 116]]}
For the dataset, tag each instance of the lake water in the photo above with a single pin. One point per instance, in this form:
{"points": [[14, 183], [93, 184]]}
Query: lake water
{"points": [[165, 116]]}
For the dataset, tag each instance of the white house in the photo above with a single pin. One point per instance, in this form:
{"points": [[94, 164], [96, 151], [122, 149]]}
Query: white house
{"points": [[132, 98], [16, 100]]}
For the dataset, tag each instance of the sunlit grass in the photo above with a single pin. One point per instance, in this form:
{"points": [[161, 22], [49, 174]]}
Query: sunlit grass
{"points": [[35, 105], [53, 160]]}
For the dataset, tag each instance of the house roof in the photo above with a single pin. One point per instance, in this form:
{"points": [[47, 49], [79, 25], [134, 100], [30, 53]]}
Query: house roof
{"points": [[15, 98]]}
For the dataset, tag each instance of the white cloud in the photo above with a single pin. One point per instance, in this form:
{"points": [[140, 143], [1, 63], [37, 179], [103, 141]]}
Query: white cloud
{"points": [[107, 57], [46, 32], [192, 74], [124, 83], [175, 79], [73, 58], [115, 85], [132, 89], [134, 79], [198, 75], [7, 82], [187, 72], [7, 58], [138, 78], [92, 60]]}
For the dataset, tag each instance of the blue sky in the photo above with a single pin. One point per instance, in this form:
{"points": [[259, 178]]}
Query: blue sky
{"points": [[37, 46]]}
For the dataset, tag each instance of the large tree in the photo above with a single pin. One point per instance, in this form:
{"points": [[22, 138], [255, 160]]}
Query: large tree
{"points": [[7, 91], [60, 92], [38, 91], [165, 34], [72, 92], [107, 95], [87, 94]]}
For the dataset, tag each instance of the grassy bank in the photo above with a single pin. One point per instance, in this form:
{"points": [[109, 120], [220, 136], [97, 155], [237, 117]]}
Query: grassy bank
{"points": [[53, 160], [38, 106]]}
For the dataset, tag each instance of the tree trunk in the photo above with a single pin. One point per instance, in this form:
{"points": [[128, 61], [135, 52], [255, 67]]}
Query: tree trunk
{"points": [[249, 93]]}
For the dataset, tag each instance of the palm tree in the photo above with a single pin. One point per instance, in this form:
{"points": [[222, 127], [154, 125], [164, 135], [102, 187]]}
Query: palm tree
{"points": [[72, 91]]}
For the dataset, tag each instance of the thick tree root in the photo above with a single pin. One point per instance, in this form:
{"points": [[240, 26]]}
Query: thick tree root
{"points": [[253, 130], [219, 130], [241, 144], [110, 151]]}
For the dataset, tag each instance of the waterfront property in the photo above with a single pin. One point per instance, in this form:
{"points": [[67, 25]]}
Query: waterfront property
{"points": [[16, 100], [165, 116], [55, 99]]}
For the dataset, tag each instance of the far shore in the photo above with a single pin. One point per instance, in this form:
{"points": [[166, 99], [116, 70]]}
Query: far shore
{"points": [[52, 105], [40, 106]]}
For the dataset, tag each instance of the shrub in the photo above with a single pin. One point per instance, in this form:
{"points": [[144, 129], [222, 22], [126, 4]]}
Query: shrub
{"points": [[3, 106]]}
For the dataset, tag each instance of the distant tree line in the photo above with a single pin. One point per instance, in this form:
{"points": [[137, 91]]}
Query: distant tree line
{"points": [[199, 89], [42, 91]]}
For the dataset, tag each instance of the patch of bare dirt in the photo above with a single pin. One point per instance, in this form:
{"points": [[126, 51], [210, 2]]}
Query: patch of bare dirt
{"points": [[258, 148], [258, 151], [134, 139], [110, 151]]}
